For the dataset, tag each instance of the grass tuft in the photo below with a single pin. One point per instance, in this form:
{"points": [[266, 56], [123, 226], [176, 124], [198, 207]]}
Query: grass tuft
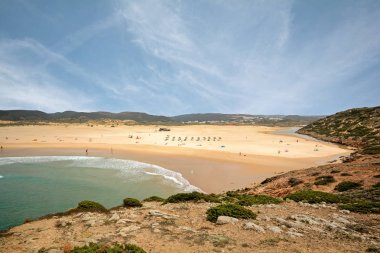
{"points": [[154, 199], [312, 197], [346, 185], [100, 248], [324, 180], [91, 206], [131, 202], [192, 197], [230, 210], [362, 207]]}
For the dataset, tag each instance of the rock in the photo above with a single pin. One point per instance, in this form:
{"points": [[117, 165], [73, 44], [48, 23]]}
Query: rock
{"points": [[294, 234], [274, 229], [306, 219], [226, 220], [124, 221], [89, 240], [87, 217], [189, 229], [343, 220], [285, 223], [156, 230], [129, 229], [154, 225], [163, 215], [345, 211], [253, 226], [54, 251], [115, 217], [62, 223], [272, 206], [90, 223]]}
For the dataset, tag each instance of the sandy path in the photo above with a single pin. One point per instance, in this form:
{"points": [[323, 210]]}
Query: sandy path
{"points": [[234, 157]]}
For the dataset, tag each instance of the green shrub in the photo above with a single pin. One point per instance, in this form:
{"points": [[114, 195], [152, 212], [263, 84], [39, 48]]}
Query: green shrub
{"points": [[377, 185], [376, 176], [373, 249], [91, 206], [324, 180], [249, 200], [232, 194], [362, 207], [100, 248], [294, 181], [131, 202], [154, 199], [192, 197], [346, 185], [311, 197], [345, 174], [230, 210], [334, 171], [228, 199], [372, 150]]}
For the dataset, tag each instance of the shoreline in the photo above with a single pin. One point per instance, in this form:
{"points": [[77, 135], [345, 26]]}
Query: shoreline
{"points": [[207, 171], [211, 170]]}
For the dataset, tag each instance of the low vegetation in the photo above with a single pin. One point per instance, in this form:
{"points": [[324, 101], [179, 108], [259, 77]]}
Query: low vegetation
{"points": [[131, 202], [100, 248], [154, 199], [91, 206], [192, 197], [231, 210], [357, 127], [346, 185], [362, 207], [377, 185], [294, 181], [249, 200], [324, 180], [372, 150], [313, 197]]}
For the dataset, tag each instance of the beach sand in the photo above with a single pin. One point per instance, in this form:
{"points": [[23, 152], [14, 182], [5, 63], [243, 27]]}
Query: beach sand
{"points": [[213, 158]]}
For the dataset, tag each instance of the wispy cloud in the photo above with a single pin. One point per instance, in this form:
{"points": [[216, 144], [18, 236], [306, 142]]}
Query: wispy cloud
{"points": [[174, 57], [24, 84]]}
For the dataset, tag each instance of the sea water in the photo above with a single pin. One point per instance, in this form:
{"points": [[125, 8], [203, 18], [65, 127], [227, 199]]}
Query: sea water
{"points": [[34, 186]]}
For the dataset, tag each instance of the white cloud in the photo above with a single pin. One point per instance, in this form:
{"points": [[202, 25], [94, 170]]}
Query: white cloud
{"points": [[25, 85]]}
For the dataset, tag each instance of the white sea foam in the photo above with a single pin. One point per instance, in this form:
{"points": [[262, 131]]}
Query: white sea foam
{"points": [[129, 168], [1, 176]]}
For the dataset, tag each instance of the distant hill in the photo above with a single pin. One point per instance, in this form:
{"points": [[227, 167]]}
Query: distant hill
{"points": [[358, 127], [71, 116], [26, 116], [246, 118]]}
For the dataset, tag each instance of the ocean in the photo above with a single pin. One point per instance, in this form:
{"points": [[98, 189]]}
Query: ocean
{"points": [[31, 187]]}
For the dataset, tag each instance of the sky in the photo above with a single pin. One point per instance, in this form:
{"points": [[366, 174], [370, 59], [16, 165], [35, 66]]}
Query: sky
{"points": [[313, 57]]}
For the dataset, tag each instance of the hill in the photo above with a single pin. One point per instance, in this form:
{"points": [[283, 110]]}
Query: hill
{"points": [[32, 117], [27, 116], [358, 175], [358, 127]]}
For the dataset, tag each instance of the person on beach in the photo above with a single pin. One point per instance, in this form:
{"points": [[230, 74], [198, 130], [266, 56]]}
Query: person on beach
{"points": [[86, 151], [1, 148]]}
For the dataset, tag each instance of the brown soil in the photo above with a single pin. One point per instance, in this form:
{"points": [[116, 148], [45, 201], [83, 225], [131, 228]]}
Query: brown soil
{"points": [[288, 227]]}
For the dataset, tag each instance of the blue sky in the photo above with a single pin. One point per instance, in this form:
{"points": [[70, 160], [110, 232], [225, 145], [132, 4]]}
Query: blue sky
{"points": [[176, 57]]}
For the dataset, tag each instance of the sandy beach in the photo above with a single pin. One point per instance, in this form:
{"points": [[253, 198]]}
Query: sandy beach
{"points": [[213, 158]]}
